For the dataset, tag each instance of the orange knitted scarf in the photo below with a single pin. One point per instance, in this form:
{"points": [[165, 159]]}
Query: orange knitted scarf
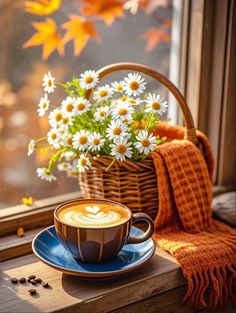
{"points": [[204, 248]]}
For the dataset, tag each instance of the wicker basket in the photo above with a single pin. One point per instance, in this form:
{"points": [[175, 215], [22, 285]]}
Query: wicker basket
{"points": [[132, 183]]}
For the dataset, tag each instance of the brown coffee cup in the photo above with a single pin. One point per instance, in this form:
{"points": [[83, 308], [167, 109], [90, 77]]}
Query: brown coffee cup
{"points": [[96, 244]]}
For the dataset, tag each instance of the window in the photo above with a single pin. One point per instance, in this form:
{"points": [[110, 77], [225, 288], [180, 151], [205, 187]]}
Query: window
{"points": [[21, 72]]}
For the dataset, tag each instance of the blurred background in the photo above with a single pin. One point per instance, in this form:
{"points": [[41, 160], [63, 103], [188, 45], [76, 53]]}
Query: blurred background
{"points": [[137, 31]]}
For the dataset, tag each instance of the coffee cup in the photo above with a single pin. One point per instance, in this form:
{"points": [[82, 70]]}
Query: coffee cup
{"points": [[95, 230]]}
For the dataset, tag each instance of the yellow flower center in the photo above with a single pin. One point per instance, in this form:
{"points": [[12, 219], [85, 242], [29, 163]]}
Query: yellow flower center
{"points": [[44, 105], [102, 93], [121, 149], [119, 87], [83, 162], [58, 116], [49, 83], [145, 143], [134, 85], [88, 79], [102, 113], [81, 106], [69, 107], [65, 120], [83, 140], [117, 131], [123, 98], [53, 136], [122, 111], [69, 140], [96, 141], [156, 106], [132, 101]]}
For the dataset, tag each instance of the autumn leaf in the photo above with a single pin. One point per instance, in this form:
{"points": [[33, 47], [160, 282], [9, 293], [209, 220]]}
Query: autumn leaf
{"points": [[27, 200], [149, 6], [79, 30], [154, 36], [47, 36], [107, 10], [42, 7]]}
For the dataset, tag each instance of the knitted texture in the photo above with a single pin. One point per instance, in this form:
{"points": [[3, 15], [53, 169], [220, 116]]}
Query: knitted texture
{"points": [[204, 248]]}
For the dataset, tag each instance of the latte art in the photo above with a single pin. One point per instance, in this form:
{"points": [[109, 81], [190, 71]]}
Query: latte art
{"points": [[91, 215]]}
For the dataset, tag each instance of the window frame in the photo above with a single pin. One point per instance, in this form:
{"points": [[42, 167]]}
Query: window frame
{"points": [[207, 36]]}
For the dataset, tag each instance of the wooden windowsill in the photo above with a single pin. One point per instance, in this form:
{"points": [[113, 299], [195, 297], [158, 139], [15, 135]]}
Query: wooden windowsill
{"points": [[158, 286]]}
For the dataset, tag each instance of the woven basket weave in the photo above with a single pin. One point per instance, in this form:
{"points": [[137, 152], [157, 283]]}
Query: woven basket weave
{"points": [[131, 183]]}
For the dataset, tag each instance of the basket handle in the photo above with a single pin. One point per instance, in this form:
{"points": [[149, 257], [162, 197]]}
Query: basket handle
{"points": [[190, 130]]}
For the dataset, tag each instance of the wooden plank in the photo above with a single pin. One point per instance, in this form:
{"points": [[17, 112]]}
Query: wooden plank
{"points": [[13, 246], [35, 217], [170, 301], [71, 294]]}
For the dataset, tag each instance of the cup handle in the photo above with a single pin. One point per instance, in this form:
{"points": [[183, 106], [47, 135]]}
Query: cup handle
{"points": [[149, 232]]}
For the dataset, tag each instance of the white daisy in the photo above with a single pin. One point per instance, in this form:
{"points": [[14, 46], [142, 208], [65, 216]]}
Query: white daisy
{"points": [[121, 149], [31, 147], [43, 105], [133, 101], [69, 155], [101, 113], [116, 129], [67, 139], [67, 106], [156, 104], [145, 142], [64, 166], [44, 174], [117, 86], [55, 117], [103, 93], [134, 84], [83, 164], [54, 138], [89, 79], [81, 106], [123, 111], [80, 140], [65, 122], [96, 141], [48, 83]]}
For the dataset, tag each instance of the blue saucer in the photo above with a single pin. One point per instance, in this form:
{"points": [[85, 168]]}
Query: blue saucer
{"points": [[48, 248]]}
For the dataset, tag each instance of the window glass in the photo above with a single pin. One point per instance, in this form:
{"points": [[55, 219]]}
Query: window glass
{"points": [[21, 72]]}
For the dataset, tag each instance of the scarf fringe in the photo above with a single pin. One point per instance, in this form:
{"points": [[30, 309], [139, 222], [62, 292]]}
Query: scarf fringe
{"points": [[213, 287]]}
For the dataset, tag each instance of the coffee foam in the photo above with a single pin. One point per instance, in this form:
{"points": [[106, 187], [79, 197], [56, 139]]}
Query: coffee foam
{"points": [[93, 215]]}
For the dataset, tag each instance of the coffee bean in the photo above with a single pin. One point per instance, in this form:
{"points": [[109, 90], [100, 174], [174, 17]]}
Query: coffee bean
{"points": [[45, 285], [38, 280], [28, 280], [32, 291], [33, 282], [32, 277], [22, 280], [14, 280]]}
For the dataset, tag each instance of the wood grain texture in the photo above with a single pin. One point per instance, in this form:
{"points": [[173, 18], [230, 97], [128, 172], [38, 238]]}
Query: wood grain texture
{"points": [[70, 294], [13, 246]]}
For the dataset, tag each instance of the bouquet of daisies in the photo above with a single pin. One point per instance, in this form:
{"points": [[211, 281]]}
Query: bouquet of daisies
{"points": [[116, 121]]}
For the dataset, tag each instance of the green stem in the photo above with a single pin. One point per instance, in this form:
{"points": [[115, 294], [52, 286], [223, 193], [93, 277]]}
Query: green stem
{"points": [[40, 139], [112, 162], [150, 118]]}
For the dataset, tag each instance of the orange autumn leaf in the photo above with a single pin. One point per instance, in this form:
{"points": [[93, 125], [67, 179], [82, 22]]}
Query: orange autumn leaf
{"points": [[79, 30], [42, 7], [154, 36], [47, 36], [107, 10]]}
